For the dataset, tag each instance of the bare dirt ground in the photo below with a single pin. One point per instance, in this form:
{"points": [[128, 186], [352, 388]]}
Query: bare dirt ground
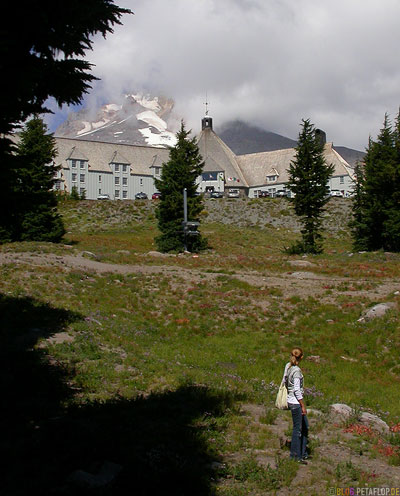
{"points": [[297, 283]]}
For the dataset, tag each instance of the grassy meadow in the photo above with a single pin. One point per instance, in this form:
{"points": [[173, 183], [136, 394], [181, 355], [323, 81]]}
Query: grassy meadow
{"points": [[150, 368]]}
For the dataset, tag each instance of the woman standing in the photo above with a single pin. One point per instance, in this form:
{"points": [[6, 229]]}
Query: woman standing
{"points": [[293, 378]]}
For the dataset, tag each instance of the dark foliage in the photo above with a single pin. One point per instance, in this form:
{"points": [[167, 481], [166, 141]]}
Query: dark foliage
{"points": [[181, 171], [42, 50], [376, 204], [34, 216], [41, 56], [159, 441], [308, 180]]}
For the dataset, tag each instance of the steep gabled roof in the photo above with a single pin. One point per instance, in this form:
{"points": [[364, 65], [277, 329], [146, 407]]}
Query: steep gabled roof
{"points": [[118, 158], [77, 154], [257, 166], [218, 156], [140, 158]]}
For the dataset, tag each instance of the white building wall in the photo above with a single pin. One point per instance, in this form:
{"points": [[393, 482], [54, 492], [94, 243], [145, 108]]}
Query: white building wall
{"points": [[342, 183]]}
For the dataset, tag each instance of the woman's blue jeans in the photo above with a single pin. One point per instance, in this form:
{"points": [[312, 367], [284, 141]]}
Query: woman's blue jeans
{"points": [[298, 446]]}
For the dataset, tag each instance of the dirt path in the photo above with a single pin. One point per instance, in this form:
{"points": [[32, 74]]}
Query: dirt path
{"points": [[299, 283]]}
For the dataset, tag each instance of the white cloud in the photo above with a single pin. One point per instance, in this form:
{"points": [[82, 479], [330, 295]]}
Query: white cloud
{"points": [[271, 62]]}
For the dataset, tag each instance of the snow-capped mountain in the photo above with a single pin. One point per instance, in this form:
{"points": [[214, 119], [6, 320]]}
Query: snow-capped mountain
{"points": [[140, 119]]}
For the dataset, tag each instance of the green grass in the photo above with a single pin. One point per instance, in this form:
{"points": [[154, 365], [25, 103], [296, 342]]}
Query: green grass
{"points": [[147, 344]]}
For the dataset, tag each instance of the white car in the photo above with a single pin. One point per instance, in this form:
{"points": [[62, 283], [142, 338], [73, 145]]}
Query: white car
{"points": [[103, 197], [233, 193], [336, 192]]}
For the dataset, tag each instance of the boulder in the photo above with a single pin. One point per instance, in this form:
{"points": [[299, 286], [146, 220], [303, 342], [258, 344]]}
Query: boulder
{"points": [[106, 474], [374, 422], [301, 263], [376, 311], [341, 410]]}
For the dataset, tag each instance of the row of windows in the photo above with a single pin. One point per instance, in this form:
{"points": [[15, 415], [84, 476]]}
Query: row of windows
{"points": [[75, 163], [116, 179], [82, 164], [118, 167], [81, 177]]}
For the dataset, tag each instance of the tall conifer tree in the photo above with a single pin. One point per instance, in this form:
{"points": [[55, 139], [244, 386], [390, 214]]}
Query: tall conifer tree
{"points": [[36, 217], [308, 181], [184, 166], [376, 205]]}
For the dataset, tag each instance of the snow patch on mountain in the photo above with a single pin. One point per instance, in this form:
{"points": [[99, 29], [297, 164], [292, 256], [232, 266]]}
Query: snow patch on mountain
{"points": [[140, 119], [163, 139], [149, 117], [147, 102]]}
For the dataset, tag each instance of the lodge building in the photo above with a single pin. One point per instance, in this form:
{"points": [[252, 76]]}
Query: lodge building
{"points": [[121, 171]]}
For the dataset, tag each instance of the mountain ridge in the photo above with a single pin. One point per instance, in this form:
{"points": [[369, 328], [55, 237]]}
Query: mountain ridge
{"points": [[150, 121]]}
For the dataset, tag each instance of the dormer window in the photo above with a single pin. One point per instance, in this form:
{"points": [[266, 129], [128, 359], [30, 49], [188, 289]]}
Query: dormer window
{"points": [[272, 178], [116, 167]]}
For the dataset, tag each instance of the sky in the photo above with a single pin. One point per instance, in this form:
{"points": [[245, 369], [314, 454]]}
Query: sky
{"points": [[270, 63]]}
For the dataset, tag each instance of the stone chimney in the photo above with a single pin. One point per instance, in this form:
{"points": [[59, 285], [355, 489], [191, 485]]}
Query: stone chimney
{"points": [[321, 136]]}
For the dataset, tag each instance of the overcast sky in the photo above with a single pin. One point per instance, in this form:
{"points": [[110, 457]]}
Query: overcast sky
{"points": [[268, 62]]}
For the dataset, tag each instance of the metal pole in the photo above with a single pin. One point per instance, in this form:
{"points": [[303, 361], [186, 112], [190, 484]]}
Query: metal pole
{"points": [[184, 204], [185, 218]]}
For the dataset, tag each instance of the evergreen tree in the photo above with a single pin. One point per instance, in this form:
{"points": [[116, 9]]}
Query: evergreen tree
{"points": [[42, 49], [376, 205], [36, 217], [308, 181], [184, 166]]}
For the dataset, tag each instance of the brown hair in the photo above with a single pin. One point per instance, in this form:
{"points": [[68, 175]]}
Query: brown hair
{"points": [[296, 356]]}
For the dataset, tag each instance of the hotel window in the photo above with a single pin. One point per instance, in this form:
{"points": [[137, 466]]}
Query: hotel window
{"points": [[100, 178], [73, 164], [116, 167], [99, 191], [157, 170], [82, 178], [141, 182], [82, 191], [116, 180], [124, 168], [82, 164], [74, 177], [125, 181], [116, 193], [341, 179], [124, 194], [271, 179]]}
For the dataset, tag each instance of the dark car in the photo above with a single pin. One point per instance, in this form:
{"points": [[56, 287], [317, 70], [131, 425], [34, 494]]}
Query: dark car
{"points": [[141, 196], [216, 194], [263, 194], [156, 196]]}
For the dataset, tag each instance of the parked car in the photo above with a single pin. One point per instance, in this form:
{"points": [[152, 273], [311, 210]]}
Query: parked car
{"points": [[263, 194], [216, 194], [103, 197], [336, 192], [233, 193], [156, 196], [141, 196], [281, 193]]}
